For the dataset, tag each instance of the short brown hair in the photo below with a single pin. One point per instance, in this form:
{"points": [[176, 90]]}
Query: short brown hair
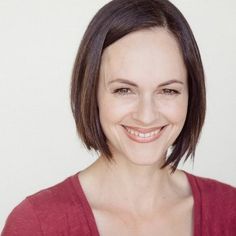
{"points": [[113, 21]]}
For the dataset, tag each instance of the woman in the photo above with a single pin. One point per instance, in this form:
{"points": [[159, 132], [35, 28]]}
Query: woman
{"points": [[138, 99]]}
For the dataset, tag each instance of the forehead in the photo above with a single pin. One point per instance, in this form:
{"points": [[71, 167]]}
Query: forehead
{"points": [[152, 53]]}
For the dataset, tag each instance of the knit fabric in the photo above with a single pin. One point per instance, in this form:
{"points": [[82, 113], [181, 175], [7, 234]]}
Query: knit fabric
{"points": [[63, 210]]}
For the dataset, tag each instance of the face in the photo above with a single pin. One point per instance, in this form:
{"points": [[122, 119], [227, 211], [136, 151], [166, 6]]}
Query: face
{"points": [[142, 95]]}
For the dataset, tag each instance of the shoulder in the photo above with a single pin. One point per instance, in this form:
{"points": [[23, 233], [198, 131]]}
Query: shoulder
{"points": [[48, 212], [57, 198], [218, 202], [22, 221], [216, 190]]}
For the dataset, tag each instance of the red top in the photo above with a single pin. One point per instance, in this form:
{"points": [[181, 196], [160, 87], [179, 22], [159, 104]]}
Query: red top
{"points": [[63, 210]]}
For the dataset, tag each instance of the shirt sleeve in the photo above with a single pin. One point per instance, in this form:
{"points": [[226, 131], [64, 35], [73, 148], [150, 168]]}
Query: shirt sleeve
{"points": [[22, 221]]}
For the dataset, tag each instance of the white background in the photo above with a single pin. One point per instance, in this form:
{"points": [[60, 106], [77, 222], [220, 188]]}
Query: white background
{"points": [[38, 142]]}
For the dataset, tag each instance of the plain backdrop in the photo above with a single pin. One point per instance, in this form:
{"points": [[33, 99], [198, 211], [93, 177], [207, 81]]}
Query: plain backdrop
{"points": [[39, 146]]}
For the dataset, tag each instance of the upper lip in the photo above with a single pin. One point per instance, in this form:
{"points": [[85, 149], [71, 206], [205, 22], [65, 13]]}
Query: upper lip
{"points": [[142, 130]]}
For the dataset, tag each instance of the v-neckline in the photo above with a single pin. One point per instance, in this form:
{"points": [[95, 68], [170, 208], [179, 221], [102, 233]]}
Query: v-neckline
{"points": [[90, 218], [197, 199]]}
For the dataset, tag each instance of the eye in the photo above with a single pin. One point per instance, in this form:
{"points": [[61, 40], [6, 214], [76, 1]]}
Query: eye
{"points": [[170, 92], [122, 91]]}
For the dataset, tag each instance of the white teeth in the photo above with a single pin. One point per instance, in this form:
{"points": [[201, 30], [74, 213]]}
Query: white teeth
{"points": [[142, 135]]}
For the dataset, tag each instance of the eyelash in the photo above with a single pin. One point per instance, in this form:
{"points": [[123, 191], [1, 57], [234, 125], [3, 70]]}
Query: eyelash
{"points": [[124, 91], [120, 91], [171, 91]]}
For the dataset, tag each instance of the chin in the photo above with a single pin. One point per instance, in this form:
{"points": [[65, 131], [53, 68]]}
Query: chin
{"points": [[145, 158], [140, 154]]}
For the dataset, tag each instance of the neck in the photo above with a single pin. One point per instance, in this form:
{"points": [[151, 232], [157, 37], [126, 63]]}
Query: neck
{"points": [[127, 186]]}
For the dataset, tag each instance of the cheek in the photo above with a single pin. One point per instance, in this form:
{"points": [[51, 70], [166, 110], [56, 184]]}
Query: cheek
{"points": [[113, 110], [175, 111]]}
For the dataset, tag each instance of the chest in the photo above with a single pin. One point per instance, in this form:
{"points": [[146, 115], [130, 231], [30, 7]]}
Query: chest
{"points": [[167, 223]]}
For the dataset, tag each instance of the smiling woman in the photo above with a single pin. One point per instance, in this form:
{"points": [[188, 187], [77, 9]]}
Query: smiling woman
{"points": [[95, 60], [138, 99]]}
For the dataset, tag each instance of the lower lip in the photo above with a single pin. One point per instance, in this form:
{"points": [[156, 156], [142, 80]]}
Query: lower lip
{"points": [[144, 140]]}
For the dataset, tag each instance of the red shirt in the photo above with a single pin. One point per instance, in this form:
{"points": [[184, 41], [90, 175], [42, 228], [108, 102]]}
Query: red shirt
{"points": [[63, 210]]}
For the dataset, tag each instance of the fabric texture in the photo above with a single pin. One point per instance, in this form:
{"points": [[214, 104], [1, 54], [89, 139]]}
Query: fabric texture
{"points": [[63, 210]]}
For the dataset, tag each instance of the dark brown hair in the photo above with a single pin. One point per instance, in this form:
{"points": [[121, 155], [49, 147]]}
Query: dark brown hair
{"points": [[115, 20]]}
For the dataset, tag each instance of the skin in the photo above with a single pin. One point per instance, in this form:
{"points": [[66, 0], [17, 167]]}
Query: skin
{"points": [[147, 58]]}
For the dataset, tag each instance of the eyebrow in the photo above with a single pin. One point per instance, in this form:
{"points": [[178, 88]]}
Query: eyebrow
{"points": [[125, 81]]}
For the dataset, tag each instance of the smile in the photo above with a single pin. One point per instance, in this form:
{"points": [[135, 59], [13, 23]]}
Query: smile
{"points": [[143, 136]]}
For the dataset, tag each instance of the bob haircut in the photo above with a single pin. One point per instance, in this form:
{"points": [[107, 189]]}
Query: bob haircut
{"points": [[113, 21]]}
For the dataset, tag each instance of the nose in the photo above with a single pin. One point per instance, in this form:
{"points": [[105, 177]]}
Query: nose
{"points": [[146, 112]]}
